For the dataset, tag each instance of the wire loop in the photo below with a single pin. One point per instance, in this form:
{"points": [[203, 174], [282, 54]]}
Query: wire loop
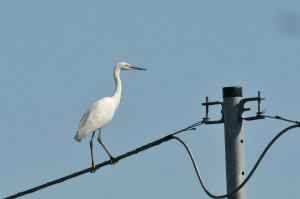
{"points": [[250, 174]]}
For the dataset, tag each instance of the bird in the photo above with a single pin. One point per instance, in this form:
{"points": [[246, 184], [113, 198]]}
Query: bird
{"points": [[102, 112]]}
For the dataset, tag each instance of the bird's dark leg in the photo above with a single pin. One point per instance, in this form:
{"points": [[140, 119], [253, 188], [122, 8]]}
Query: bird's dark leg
{"points": [[91, 145], [112, 159]]}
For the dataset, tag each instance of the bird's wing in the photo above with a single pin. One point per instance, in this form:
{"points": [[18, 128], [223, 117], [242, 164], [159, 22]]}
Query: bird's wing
{"points": [[97, 116], [86, 124]]}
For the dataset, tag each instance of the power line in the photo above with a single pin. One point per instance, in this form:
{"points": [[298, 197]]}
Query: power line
{"points": [[145, 147], [280, 118], [155, 143]]}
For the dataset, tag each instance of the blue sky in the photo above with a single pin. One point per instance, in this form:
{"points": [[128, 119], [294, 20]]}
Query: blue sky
{"points": [[57, 59]]}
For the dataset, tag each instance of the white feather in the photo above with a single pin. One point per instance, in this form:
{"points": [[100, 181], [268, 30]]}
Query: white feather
{"points": [[102, 112], [97, 116]]}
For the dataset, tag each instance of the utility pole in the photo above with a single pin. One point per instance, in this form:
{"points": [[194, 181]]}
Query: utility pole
{"points": [[232, 117], [234, 141]]}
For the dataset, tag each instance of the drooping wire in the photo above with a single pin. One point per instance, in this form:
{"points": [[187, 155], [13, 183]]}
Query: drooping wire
{"points": [[250, 174]]}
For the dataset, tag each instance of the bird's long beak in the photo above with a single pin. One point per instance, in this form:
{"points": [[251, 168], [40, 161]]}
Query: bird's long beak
{"points": [[137, 68]]}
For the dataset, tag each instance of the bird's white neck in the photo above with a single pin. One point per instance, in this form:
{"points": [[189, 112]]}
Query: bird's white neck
{"points": [[117, 93]]}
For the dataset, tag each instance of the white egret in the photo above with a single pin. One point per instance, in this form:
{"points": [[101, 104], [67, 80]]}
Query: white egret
{"points": [[102, 112]]}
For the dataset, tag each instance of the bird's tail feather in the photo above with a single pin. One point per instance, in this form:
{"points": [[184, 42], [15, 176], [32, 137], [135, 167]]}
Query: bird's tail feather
{"points": [[78, 137]]}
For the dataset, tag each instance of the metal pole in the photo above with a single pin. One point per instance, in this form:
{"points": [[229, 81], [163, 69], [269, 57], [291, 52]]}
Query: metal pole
{"points": [[234, 141]]}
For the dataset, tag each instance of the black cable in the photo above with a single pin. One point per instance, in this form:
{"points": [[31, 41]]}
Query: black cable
{"points": [[250, 174], [150, 145], [135, 151]]}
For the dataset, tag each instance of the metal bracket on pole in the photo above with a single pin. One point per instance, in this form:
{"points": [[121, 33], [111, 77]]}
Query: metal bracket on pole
{"points": [[207, 119], [242, 109], [232, 117]]}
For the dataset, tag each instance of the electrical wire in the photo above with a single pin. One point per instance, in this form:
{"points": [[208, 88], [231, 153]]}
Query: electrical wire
{"points": [[192, 127], [250, 174], [105, 163], [155, 143], [280, 118]]}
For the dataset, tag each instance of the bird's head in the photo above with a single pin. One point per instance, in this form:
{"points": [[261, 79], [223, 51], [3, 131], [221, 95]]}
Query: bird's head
{"points": [[125, 66]]}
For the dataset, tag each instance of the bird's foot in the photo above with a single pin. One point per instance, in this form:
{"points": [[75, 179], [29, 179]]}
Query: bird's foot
{"points": [[113, 160], [94, 170]]}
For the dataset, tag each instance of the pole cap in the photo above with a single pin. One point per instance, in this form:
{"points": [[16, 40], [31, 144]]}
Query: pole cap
{"points": [[233, 91]]}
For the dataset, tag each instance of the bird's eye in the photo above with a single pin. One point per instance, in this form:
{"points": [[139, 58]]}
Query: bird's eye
{"points": [[127, 65]]}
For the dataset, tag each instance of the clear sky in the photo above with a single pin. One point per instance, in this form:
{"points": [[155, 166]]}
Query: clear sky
{"points": [[57, 59]]}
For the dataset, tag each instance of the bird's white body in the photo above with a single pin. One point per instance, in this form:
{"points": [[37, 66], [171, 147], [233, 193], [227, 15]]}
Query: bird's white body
{"points": [[102, 112], [97, 116]]}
